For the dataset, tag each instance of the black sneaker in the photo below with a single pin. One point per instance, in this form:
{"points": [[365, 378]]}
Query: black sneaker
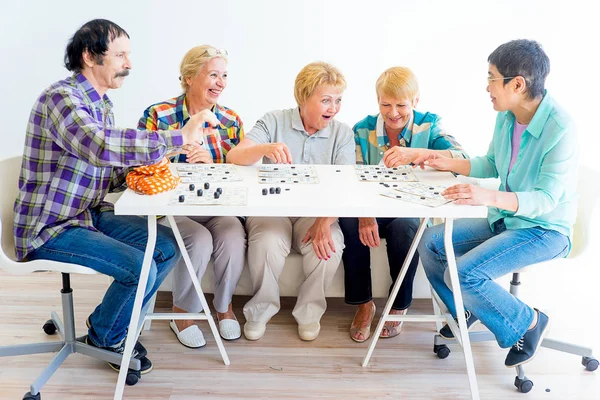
{"points": [[526, 348], [142, 352], [145, 363], [446, 332]]}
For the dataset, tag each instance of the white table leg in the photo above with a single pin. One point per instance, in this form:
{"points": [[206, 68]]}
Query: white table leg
{"points": [[137, 307], [458, 303], [395, 289], [205, 307]]}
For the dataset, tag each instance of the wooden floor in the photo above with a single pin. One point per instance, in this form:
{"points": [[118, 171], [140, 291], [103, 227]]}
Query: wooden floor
{"points": [[279, 366]]}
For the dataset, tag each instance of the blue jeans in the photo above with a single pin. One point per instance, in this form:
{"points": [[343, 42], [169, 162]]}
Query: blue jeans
{"points": [[399, 234], [482, 255], [116, 249]]}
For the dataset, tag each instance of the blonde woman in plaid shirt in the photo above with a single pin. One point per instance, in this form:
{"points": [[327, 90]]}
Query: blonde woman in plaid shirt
{"points": [[203, 79]]}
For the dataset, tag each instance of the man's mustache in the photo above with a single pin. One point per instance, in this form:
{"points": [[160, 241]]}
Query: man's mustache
{"points": [[122, 74]]}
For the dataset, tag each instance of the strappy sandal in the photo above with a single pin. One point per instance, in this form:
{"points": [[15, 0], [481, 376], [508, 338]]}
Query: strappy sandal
{"points": [[395, 330], [366, 331]]}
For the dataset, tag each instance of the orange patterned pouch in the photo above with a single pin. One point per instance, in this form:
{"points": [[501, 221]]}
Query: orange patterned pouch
{"points": [[152, 179]]}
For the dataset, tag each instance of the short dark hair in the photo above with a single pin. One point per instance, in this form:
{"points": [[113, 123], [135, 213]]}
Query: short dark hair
{"points": [[524, 58], [94, 37]]}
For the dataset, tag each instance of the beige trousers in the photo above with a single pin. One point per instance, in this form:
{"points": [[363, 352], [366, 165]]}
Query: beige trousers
{"points": [[222, 237], [270, 240]]}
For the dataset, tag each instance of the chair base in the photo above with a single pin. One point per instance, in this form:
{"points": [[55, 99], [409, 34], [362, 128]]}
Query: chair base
{"points": [[522, 383], [68, 345]]}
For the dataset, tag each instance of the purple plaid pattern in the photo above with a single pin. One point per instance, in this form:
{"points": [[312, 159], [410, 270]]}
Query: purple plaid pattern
{"points": [[73, 157]]}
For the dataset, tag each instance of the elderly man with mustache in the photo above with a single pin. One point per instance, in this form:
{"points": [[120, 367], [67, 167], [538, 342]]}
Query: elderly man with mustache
{"points": [[73, 157]]}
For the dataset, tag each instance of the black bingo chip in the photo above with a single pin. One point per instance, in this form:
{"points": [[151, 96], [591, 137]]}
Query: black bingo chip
{"points": [[272, 190], [217, 195], [219, 190], [264, 192], [206, 185], [192, 187], [181, 198], [278, 190], [199, 192]]}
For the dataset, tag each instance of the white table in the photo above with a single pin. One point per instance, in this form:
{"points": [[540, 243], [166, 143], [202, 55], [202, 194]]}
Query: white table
{"points": [[340, 194]]}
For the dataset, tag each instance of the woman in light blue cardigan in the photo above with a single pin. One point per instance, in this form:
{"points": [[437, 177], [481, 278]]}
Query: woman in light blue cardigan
{"points": [[530, 217]]}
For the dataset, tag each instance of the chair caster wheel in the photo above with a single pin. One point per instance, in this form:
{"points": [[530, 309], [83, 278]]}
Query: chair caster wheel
{"points": [[591, 364], [132, 377], [523, 385], [441, 350], [29, 396], [49, 327]]}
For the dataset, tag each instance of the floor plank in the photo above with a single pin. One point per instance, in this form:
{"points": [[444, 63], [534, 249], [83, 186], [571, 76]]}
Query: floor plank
{"points": [[279, 366]]}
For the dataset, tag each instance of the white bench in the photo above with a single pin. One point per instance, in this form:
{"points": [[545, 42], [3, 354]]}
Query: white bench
{"points": [[292, 276]]}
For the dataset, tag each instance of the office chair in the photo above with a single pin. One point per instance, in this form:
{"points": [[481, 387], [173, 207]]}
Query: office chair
{"points": [[68, 344], [589, 192]]}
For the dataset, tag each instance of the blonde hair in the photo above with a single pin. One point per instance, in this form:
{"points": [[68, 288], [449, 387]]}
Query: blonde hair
{"points": [[313, 75], [194, 60], [397, 82]]}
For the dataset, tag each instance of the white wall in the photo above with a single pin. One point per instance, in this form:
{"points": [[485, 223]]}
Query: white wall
{"points": [[446, 43]]}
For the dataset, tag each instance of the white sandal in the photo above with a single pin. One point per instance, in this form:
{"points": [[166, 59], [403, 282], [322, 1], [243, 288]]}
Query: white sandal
{"points": [[191, 336]]}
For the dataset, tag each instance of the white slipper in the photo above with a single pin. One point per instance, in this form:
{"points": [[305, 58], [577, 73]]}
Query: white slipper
{"points": [[229, 329], [191, 336]]}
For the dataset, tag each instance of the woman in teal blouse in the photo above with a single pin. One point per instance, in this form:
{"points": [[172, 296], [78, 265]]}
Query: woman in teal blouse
{"points": [[530, 218]]}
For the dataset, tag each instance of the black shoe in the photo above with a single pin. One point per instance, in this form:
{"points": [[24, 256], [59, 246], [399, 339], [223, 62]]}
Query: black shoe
{"points": [[446, 332], [145, 363], [526, 348], [142, 352]]}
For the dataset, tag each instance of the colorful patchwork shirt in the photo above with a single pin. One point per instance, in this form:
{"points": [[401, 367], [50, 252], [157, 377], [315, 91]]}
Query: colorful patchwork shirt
{"points": [[422, 131], [173, 114]]}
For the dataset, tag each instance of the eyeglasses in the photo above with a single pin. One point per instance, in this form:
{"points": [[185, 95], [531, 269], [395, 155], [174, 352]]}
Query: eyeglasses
{"points": [[212, 52], [490, 79]]}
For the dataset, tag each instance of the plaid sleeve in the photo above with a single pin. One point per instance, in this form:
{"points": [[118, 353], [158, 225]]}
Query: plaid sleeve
{"points": [[117, 180], [74, 128], [241, 133], [148, 120]]}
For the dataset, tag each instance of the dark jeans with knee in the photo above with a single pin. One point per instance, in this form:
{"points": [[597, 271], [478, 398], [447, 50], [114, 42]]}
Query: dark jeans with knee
{"points": [[399, 234], [115, 249]]}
